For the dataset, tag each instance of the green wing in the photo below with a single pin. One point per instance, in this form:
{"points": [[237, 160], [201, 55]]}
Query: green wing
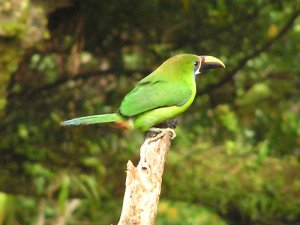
{"points": [[153, 93]]}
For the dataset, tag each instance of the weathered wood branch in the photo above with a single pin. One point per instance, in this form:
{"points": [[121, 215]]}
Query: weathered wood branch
{"points": [[143, 182]]}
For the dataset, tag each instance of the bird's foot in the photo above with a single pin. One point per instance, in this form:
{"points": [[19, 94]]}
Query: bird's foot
{"points": [[161, 132]]}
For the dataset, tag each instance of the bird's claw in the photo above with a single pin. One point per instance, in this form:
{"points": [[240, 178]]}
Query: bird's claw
{"points": [[161, 132]]}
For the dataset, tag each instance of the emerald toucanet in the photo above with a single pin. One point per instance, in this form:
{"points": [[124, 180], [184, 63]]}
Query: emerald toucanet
{"points": [[164, 94]]}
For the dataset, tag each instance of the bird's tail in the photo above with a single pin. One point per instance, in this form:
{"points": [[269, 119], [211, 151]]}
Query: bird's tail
{"points": [[86, 120]]}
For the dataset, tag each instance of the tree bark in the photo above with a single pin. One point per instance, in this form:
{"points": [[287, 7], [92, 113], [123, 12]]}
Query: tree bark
{"points": [[143, 182]]}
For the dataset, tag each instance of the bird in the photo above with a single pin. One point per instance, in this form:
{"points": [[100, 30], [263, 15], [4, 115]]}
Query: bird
{"points": [[161, 96]]}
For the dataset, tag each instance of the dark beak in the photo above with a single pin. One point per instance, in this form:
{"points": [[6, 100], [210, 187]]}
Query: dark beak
{"points": [[210, 62]]}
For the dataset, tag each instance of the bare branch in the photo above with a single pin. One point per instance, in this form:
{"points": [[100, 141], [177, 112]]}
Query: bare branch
{"points": [[143, 183]]}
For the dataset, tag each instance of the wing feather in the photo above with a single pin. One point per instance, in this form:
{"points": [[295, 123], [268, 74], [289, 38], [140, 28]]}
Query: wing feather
{"points": [[152, 94]]}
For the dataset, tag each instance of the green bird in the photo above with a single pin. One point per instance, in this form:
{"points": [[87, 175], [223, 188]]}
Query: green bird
{"points": [[162, 95]]}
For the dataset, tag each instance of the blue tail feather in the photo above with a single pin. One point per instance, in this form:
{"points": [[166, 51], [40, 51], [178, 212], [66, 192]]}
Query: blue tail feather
{"points": [[86, 120]]}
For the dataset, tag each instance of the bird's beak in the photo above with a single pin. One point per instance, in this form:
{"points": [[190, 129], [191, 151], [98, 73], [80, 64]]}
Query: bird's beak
{"points": [[210, 62]]}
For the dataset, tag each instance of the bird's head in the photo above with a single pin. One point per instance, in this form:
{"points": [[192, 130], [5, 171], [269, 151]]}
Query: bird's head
{"points": [[188, 63]]}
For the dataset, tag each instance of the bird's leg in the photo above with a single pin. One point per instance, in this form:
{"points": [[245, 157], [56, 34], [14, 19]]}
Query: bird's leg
{"points": [[161, 132], [162, 129]]}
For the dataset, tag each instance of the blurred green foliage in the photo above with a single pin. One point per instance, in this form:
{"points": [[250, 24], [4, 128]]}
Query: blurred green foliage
{"points": [[236, 156]]}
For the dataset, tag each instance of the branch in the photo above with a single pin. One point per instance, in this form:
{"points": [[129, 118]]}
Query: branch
{"points": [[143, 183], [228, 77]]}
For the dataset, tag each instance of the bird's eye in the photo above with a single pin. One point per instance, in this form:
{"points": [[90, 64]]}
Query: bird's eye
{"points": [[196, 65]]}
